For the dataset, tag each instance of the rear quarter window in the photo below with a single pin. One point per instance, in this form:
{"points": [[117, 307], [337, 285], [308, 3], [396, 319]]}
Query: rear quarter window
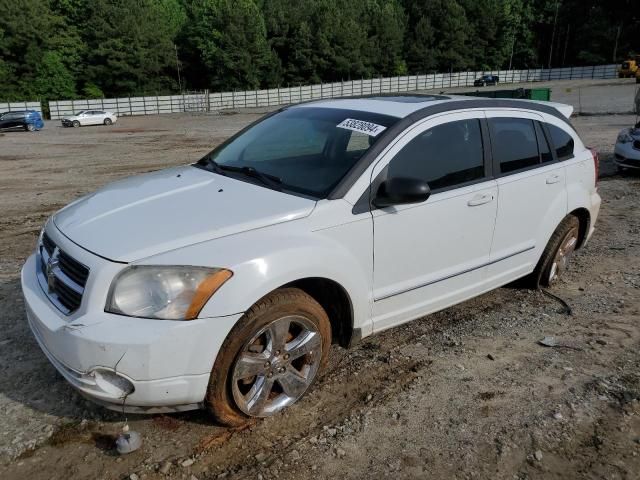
{"points": [[562, 142]]}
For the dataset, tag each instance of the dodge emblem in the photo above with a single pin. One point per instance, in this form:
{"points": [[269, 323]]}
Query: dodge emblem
{"points": [[52, 263]]}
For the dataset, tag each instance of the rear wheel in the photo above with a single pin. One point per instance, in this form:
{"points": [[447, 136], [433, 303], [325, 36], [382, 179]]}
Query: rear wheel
{"points": [[107, 121], [76, 124], [270, 358], [557, 255]]}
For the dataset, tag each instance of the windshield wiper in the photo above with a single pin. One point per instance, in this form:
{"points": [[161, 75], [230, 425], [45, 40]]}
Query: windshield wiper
{"points": [[267, 179]]}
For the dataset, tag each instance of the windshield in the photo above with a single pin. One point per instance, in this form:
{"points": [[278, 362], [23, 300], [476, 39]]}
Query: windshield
{"points": [[307, 149]]}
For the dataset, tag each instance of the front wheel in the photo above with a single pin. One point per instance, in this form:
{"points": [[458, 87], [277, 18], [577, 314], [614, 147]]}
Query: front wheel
{"points": [[107, 121], [30, 127], [557, 254], [270, 358], [76, 124]]}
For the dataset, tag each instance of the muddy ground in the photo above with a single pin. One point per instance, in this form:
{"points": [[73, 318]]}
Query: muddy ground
{"points": [[465, 393]]}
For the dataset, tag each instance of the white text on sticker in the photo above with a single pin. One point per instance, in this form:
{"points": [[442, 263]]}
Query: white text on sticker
{"points": [[368, 128]]}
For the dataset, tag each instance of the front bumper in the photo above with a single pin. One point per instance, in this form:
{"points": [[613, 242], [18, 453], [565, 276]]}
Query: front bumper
{"points": [[163, 365], [625, 155]]}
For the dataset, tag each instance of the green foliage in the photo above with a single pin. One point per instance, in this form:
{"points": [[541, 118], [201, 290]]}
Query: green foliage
{"points": [[52, 79], [53, 49], [91, 90], [225, 44]]}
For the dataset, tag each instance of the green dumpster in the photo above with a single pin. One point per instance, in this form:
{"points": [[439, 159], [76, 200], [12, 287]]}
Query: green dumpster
{"points": [[530, 94], [540, 94]]}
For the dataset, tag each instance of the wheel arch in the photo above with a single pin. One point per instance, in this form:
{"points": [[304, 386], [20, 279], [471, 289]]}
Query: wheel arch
{"points": [[335, 300], [584, 217]]}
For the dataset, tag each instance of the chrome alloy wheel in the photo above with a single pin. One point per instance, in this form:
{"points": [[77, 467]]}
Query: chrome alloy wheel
{"points": [[276, 366], [563, 255]]}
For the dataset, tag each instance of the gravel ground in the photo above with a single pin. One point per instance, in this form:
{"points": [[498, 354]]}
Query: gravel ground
{"points": [[464, 393]]}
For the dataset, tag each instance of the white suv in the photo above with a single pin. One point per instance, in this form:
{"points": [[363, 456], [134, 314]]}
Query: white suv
{"points": [[223, 284]]}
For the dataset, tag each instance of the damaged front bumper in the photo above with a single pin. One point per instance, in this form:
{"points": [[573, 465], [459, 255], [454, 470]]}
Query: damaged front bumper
{"points": [[126, 364]]}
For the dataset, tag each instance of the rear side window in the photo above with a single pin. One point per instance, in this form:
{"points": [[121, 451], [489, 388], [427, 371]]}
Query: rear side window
{"points": [[444, 156], [562, 142], [514, 143]]}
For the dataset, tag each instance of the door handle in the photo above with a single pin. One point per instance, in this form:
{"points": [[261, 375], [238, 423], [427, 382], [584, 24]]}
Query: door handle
{"points": [[553, 179], [480, 200]]}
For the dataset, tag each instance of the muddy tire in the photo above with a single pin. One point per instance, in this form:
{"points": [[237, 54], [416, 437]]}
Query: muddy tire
{"points": [[557, 254], [257, 358]]}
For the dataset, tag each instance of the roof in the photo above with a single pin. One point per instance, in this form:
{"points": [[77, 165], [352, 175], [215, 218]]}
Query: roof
{"points": [[396, 105], [402, 106]]}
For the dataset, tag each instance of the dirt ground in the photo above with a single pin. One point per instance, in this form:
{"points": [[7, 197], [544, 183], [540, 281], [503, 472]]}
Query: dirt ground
{"points": [[465, 393]]}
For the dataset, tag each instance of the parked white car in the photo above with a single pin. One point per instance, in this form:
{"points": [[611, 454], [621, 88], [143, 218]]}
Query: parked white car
{"points": [[89, 117], [627, 149], [223, 284]]}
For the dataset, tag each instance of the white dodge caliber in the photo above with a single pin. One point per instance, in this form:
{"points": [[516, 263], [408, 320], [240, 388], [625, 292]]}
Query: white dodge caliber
{"points": [[223, 284]]}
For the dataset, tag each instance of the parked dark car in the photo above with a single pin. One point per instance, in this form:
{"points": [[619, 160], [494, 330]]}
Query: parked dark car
{"points": [[29, 120], [485, 80]]}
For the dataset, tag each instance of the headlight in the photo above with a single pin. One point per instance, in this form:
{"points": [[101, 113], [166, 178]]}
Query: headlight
{"points": [[625, 138], [164, 292]]}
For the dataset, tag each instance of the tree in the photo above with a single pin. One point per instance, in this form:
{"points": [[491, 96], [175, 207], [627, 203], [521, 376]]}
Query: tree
{"points": [[131, 45], [36, 44], [52, 79], [225, 44]]}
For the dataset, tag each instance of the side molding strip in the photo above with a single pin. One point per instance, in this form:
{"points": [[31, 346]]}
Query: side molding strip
{"points": [[410, 289]]}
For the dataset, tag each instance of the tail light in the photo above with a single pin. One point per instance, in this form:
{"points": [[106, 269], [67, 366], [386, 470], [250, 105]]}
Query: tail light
{"points": [[596, 164]]}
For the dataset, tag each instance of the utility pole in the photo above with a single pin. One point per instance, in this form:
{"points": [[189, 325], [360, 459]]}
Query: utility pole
{"points": [[566, 43], [615, 45], [553, 32], [178, 65], [513, 44]]}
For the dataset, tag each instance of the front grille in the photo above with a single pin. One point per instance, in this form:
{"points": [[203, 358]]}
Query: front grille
{"points": [[632, 163], [61, 276]]}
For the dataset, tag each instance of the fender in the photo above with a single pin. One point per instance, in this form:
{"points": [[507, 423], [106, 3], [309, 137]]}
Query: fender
{"points": [[265, 259]]}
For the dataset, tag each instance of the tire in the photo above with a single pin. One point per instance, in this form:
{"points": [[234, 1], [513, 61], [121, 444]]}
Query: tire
{"points": [[76, 124], [555, 261], [231, 390], [30, 127], [107, 121]]}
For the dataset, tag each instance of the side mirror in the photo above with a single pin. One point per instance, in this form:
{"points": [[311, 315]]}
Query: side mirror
{"points": [[401, 191]]}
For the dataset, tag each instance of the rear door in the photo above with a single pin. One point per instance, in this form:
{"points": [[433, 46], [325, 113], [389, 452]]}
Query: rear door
{"points": [[532, 196]]}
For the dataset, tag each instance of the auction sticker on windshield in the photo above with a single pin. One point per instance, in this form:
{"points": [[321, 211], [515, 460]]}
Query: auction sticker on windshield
{"points": [[368, 128]]}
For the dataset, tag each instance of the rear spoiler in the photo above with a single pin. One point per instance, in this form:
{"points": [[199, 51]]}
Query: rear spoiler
{"points": [[564, 109]]}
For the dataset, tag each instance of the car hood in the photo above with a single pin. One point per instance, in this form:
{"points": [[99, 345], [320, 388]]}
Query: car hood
{"points": [[633, 132], [149, 214]]}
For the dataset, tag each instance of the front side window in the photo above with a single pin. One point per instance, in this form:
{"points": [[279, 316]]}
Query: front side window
{"points": [[562, 142], [307, 149], [444, 156], [514, 143]]}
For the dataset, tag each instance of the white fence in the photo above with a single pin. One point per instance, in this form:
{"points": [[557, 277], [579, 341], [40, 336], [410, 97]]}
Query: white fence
{"points": [[351, 88], [195, 102], [206, 101], [8, 106]]}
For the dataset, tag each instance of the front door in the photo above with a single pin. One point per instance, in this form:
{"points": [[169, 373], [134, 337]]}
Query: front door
{"points": [[431, 255]]}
